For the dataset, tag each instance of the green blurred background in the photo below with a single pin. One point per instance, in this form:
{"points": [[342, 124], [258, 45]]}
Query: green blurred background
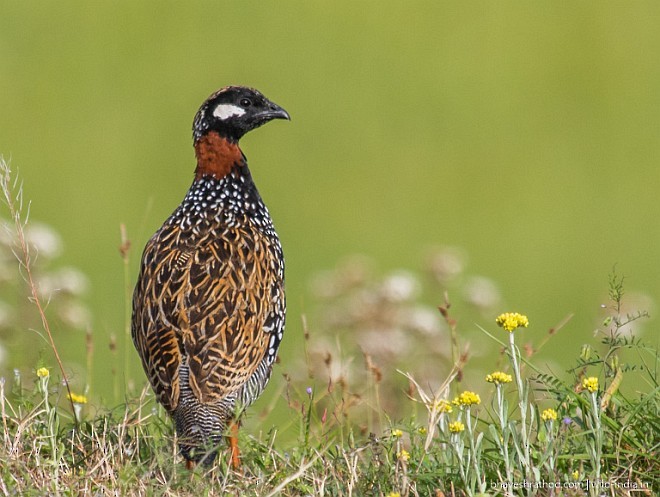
{"points": [[525, 133]]}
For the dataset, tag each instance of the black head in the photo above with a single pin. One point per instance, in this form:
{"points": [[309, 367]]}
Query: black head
{"points": [[233, 111]]}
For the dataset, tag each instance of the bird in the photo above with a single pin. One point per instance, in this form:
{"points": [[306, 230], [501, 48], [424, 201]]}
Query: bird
{"points": [[209, 305]]}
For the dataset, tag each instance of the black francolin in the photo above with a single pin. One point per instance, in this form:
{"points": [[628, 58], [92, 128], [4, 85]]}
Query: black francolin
{"points": [[209, 306]]}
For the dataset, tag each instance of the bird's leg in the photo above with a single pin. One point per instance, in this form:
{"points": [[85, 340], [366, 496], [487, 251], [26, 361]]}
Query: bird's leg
{"points": [[234, 452]]}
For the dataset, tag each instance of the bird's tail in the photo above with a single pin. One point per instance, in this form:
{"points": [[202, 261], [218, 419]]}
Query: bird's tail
{"points": [[200, 427]]}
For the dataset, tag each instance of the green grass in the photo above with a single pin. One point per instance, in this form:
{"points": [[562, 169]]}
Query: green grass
{"points": [[130, 449], [541, 427]]}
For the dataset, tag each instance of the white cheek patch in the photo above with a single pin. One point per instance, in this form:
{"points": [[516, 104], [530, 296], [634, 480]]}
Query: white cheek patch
{"points": [[225, 111]]}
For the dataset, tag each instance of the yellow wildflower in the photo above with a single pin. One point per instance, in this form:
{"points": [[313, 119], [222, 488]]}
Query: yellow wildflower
{"points": [[394, 494], [397, 433], [43, 373], [467, 398], [590, 383], [512, 320], [549, 415], [442, 406], [576, 475], [421, 430], [499, 378], [456, 427], [77, 399], [403, 455]]}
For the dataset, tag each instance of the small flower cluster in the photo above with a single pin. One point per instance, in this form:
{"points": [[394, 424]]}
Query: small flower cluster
{"points": [[499, 378], [512, 320], [549, 415], [442, 406], [467, 398], [590, 384], [456, 427], [403, 455], [43, 373], [396, 433]]}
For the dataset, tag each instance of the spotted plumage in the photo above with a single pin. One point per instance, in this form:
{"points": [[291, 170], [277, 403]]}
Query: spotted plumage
{"points": [[209, 304]]}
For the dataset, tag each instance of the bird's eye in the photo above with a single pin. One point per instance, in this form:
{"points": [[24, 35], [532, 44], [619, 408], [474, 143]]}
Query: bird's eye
{"points": [[245, 102]]}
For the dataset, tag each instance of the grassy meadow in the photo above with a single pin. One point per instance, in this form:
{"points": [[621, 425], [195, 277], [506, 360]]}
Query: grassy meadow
{"points": [[476, 157]]}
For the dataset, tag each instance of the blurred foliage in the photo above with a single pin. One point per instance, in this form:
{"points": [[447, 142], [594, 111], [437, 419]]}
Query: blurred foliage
{"points": [[524, 133], [367, 329], [62, 289]]}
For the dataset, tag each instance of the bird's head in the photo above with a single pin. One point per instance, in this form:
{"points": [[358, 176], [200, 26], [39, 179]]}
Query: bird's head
{"points": [[233, 111]]}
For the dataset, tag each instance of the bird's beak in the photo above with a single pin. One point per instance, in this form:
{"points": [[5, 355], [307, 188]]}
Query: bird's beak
{"points": [[273, 111]]}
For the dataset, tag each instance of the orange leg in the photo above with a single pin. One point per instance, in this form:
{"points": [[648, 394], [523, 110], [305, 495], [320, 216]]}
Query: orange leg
{"points": [[233, 446]]}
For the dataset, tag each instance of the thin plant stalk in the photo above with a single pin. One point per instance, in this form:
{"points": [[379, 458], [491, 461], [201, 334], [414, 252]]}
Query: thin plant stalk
{"points": [[597, 433], [503, 444], [458, 447], [475, 451], [13, 194], [522, 405], [550, 448]]}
